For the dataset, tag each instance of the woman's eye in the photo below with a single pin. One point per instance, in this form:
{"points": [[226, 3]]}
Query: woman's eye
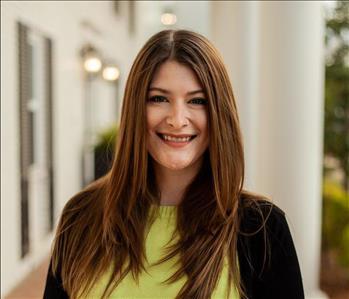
{"points": [[157, 99], [199, 101]]}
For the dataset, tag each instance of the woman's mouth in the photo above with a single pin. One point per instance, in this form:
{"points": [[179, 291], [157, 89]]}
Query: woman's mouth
{"points": [[176, 141]]}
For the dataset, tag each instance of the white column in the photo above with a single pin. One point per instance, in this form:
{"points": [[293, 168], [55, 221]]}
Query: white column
{"points": [[235, 33], [291, 72], [274, 51]]}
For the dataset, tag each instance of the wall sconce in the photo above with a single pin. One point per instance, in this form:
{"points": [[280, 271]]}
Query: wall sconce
{"points": [[92, 62]]}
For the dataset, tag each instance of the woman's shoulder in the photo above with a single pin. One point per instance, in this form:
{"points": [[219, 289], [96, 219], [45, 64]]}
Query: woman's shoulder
{"points": [[267, 257], [263, 228], [256, 211]]}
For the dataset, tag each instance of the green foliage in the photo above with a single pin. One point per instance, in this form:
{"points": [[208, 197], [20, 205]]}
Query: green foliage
{"points": [[339, 21], [335, 227], [344, 248], [337, 88], [107, 140]]}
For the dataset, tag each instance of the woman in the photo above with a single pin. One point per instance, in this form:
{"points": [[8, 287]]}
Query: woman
{"points": [[170, 219]]}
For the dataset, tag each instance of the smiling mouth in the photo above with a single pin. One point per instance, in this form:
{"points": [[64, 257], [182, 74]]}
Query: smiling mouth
{"points": [[175, 139]]}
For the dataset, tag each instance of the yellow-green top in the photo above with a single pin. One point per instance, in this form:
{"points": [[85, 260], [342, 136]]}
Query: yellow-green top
{"points": [[150, 285]]}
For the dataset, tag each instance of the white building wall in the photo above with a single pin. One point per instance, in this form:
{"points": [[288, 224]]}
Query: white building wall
{"points": [[191, 15], [60, 21]]}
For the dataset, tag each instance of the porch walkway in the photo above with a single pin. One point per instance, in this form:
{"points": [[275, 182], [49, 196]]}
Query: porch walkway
{"points": [[32, 287]]}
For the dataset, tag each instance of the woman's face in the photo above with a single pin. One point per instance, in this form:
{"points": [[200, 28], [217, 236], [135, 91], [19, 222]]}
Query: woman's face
{"points": [[177, 122]]}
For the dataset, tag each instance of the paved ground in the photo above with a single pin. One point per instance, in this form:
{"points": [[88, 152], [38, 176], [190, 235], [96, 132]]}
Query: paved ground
{"points": [[334, 279], [33, 285]]}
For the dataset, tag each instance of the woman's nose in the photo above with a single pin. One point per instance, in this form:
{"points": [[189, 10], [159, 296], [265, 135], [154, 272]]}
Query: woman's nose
{"points": [[177, 117]]}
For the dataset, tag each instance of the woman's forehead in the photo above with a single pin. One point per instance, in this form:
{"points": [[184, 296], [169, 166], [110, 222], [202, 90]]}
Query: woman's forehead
{"points": [[173, 75]]}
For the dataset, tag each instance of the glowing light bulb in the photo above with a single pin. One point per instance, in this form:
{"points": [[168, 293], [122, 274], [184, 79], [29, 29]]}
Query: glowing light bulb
{"points": [[168, 19], [111, 73], [92, 64]]}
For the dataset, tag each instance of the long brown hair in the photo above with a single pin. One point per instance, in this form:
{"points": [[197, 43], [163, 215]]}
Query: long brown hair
{"points": [[105, 223]]}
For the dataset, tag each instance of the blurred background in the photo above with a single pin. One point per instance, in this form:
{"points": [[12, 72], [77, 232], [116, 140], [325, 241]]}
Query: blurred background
{"points": [[63, 70]]}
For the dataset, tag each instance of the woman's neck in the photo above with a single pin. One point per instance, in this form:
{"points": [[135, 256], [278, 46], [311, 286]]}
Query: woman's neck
{"points": [[172, 183]]}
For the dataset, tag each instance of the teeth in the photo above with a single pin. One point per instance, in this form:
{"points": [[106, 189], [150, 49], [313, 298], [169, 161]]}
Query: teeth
{"points": [[174, 139]]}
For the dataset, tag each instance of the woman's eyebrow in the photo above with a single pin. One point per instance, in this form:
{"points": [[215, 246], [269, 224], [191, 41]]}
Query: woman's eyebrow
{"points": [[168, 92]]}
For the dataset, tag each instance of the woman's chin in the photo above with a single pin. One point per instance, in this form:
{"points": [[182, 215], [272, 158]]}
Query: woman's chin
{"points": [[176, 165]]}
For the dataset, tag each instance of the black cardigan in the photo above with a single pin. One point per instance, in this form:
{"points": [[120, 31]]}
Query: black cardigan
{"points": [[269, 266]]}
